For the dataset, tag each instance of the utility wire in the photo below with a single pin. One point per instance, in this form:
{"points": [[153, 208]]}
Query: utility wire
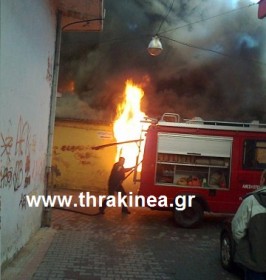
{"points": [[210, 50], [162, 22], [124, 38], [129, 38], [205, 19], [85, 21]]}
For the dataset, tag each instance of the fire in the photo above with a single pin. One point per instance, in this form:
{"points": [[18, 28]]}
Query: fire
{"points": [[67, 87], [128, 125]]}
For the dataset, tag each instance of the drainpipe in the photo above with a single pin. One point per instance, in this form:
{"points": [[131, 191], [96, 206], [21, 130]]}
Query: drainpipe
{"points": [[46, 217]]}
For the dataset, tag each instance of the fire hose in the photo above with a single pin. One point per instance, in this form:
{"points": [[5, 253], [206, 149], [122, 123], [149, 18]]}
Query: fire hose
{"points": [[115, 143], [98, 148], [133, 169], [75, 211], [98, 213]]}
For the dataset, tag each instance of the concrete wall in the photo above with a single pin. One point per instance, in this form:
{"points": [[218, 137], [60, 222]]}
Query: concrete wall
{"points": [[76, 165], [28, 30]]}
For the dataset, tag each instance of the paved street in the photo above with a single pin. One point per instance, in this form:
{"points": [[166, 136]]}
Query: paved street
{"points": [[143, 245]]}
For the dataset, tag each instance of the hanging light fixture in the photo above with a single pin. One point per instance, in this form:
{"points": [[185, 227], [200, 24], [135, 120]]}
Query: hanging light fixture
{"points": [[155, 46]]}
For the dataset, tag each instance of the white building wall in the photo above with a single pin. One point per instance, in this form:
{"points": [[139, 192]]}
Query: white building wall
{"points": [[28, 31]]}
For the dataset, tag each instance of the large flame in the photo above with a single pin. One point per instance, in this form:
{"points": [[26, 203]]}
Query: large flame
{"points": [[128, 125]]}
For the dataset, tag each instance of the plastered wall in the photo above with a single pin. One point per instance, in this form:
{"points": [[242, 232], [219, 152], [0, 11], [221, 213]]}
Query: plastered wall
{"points": [[75, 164], [27, 54]]}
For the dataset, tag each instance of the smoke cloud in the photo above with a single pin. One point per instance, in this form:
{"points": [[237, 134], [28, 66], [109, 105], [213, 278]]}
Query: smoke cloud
{"points": [[212, 65]]}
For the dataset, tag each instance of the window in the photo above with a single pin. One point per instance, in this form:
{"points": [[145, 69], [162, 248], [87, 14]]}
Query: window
{"points": [[254, 154]]}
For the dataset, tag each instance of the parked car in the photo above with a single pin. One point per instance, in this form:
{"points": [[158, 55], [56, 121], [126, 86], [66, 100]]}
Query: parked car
{"points": [[227, 246], [227, 249]]}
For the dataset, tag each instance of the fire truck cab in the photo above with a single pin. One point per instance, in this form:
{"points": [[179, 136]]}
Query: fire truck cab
{"points": [[217, 162]]}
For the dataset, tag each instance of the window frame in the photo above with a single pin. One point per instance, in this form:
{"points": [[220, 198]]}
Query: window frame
{"points": [[250, 154]]}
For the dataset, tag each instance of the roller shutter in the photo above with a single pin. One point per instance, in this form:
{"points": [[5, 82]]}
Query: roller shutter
{"points": [[194, 144]]}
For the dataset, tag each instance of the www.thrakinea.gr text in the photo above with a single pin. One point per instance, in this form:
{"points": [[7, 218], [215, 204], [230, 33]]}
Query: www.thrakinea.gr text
{"points": [[85, 199]]}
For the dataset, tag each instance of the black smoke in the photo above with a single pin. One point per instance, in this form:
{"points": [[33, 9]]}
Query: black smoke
{"points": [[211, 66]]}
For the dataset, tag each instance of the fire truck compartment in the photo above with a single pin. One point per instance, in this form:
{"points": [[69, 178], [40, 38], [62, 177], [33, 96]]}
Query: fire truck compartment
{"points": [[193, 160]]}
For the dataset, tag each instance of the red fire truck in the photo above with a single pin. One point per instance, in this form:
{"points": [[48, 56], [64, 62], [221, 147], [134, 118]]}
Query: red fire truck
{"points": [[217, 162]]}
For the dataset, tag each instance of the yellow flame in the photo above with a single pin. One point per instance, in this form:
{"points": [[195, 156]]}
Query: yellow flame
{"points": [[128, 126]]}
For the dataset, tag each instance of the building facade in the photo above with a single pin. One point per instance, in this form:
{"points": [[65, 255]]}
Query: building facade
{"points": [[29, 33], [76, 164], [27, 58]]}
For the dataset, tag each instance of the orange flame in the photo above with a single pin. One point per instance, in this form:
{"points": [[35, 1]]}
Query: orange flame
{"points": [[128, 126]]}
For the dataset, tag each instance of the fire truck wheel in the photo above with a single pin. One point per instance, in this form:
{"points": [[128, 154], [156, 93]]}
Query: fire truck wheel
{"points": [[190, 217]]}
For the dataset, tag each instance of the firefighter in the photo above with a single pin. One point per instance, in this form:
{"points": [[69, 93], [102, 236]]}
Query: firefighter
{"points": [[249, 232], [115, 180]]}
